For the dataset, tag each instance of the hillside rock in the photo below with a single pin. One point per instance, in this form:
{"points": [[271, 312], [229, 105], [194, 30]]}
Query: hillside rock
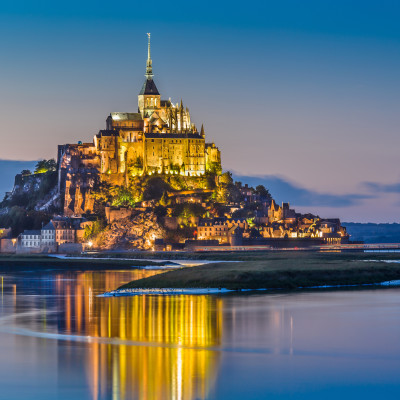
{"points": [[135, 232], [34, 192]]}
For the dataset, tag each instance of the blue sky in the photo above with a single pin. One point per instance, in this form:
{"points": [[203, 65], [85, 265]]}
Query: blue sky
{"points": [[306, 92]]}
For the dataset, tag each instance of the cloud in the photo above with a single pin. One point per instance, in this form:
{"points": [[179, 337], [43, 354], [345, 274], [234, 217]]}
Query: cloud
{"points": [[383, 188], [284, 190]]}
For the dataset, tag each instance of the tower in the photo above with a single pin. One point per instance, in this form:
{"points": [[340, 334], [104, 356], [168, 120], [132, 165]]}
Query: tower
{"points": [[149, 97]]}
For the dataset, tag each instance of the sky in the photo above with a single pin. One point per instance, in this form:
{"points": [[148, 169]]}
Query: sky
{"points": [[301, 95]]}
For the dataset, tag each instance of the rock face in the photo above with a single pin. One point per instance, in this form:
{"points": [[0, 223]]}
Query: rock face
{"points": [[35, 192], [135, 232]]}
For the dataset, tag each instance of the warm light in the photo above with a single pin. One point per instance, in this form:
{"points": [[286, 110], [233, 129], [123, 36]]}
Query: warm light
{"points": [[90, 244]]}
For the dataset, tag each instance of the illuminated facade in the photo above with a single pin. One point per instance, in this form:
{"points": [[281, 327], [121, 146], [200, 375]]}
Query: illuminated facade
{"points": [[159, 138]]}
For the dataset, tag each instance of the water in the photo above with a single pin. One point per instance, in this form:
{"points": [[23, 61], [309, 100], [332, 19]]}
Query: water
{"points": [[59, 341]]}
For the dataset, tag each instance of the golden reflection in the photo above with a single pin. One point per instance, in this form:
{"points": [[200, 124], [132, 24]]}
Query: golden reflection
{"points": [[162, 353]]}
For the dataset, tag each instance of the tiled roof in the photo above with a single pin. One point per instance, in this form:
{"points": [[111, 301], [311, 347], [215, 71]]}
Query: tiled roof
{"points": [[31, 233], [48, 227]]}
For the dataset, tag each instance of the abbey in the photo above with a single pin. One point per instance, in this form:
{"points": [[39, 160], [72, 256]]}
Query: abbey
{"points": [[159, 138]]}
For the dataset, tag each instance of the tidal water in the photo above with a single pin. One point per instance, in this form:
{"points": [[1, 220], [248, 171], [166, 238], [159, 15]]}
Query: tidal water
{"points": [[58, 340]]}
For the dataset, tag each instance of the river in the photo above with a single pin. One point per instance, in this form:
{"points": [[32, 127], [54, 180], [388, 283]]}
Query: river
{"points": [[58, 340]]}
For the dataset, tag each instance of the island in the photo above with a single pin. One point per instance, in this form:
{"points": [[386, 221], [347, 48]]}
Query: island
{"points": [[149, 181]]}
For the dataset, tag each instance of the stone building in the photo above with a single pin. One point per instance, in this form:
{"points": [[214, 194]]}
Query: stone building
{"points": [[221, 229], [31, 239], [160, 137], [48, 237]]}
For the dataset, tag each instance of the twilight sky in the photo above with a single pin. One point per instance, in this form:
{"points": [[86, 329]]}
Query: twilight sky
{"points": [[303, 94]]}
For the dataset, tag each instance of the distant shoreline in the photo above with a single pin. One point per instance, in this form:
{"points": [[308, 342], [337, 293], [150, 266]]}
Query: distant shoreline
{"points": [[15, 262]]}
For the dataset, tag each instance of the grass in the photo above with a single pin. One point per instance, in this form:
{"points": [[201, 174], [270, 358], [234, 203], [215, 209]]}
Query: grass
{"points": [[283, 270]]}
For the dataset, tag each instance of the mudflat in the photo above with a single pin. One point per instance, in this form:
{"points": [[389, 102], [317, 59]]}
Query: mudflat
{"points": [[281, 270]]}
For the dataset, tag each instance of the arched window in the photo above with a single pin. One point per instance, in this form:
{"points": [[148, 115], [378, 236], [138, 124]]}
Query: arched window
{"points": [[152, 102]]}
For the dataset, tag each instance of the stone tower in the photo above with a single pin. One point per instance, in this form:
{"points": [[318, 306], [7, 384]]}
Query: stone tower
{"points": [[149, 97]]}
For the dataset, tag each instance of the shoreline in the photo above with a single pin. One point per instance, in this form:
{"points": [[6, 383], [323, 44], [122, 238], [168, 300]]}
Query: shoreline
{"points": [[41, 261], [282, 272], [202, 291]]}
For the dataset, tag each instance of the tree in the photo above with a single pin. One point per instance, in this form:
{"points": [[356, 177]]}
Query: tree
{"points": [[186, 211], [263, 192], [26, 172], [123, 198], [165, 200], [91, 231], [155, 188], [226, 178], [44, 166]]}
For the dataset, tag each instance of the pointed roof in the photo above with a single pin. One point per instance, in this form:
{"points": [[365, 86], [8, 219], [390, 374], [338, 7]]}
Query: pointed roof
{"points": [[149, 63], [49, 227], [149, 87]]}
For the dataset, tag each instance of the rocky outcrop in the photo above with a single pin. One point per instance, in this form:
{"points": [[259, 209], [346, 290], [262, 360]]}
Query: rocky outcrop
{"points": [[136, 232], [35, 192]]}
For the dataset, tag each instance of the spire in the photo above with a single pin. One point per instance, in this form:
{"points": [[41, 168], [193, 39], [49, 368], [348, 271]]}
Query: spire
{"points": [[202, 130], [149, 87], [149, 67]]}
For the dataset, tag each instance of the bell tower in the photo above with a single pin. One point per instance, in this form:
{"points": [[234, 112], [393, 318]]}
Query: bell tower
{"points": [[149, 97]]}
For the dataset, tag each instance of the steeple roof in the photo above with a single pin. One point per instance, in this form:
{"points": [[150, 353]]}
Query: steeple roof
{"points": [[149, 87]]}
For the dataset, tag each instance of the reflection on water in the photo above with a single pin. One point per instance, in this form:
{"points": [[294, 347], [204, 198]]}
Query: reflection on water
{"points": [[58, 340], [165, 335]]}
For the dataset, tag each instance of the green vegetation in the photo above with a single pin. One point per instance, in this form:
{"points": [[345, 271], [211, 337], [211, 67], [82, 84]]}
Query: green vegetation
{"points": [[44, 166], [188, 210], [226, 191], [26, 172], [123, 197], [281, 271], [91, 231], [153, 187]]}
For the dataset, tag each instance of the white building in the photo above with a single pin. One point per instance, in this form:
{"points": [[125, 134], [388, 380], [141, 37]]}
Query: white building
{"points": [[31, 239], [48, 237]]}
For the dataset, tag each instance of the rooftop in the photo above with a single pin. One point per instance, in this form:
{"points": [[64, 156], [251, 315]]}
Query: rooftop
{"points": [[173, 136], [125, 116], [149, 87]]}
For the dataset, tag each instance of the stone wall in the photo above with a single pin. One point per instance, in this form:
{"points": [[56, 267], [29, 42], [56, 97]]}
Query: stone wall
{"points": [[7, 246]]}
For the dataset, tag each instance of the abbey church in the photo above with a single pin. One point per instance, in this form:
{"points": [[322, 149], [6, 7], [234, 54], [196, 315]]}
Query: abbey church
{"points": [[159, 138]]}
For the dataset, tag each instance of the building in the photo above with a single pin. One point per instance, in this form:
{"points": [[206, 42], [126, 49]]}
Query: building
{"points": [[213, 229], [31, 239], [60, 231], [160, 137], [65, 231], [48, 237], [221, 229]]}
